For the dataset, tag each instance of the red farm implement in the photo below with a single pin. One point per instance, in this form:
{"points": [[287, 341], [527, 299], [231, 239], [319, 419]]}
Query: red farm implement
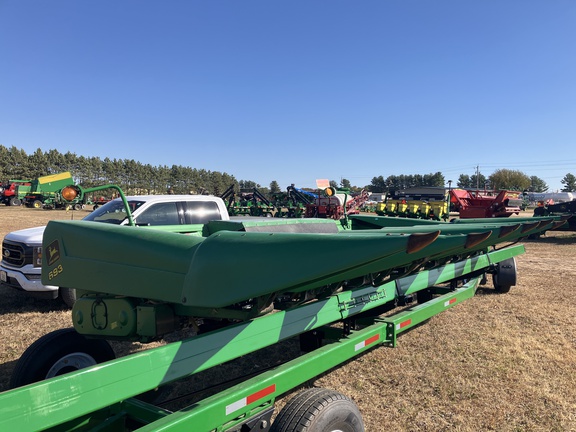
{"points": [[476, 204]]}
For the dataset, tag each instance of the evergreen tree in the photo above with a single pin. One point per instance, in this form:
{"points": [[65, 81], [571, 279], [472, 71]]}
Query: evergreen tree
{"points": [[537, 184], [377, 185], [274, 187], [248, 185], [37, 164], [569, 182], [478, 181], [464, 181], [474, 181]]}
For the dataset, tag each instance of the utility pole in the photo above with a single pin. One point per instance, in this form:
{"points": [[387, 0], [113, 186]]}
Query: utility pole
{"points": [[477, 177]]}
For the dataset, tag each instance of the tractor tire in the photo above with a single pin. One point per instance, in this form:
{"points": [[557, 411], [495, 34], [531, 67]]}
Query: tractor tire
{"points": [[57, 353], [319, 410], [37, 204], [15, 202]]}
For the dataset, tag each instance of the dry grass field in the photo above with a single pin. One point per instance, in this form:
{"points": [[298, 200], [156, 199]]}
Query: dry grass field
{"points": [[498, 362]]}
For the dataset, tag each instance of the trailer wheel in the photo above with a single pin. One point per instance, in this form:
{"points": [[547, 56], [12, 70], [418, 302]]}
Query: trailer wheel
{"points": [[37, 204], [505, 276], [57, 353], [319, 410]]}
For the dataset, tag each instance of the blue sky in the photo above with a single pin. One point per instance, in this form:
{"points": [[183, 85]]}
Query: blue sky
{"points": [[296, 90]]}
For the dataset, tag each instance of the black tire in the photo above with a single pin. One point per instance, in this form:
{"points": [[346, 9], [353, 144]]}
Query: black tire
{"points": [[505, 276], [319, 410], [57, 353], [15, 202], [77, 207], [502, 289], [68, 296], [37, 204]]}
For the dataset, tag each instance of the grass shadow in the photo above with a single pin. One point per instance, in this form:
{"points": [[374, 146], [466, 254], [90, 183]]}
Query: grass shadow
{"points": [[15, 301], [559, 240], [5, 374]]}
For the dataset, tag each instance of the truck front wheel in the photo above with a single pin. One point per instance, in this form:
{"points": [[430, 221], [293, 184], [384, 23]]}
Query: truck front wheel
{"points": [[57, 353], [68, 296], [319, 410]]}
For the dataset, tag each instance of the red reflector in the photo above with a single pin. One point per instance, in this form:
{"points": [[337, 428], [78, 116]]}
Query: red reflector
{"points": [[372, 339], [405, 323], [450, 302], [260, 394]]}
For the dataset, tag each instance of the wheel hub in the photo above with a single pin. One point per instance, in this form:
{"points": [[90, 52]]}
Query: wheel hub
{"points": [[71, 362]]}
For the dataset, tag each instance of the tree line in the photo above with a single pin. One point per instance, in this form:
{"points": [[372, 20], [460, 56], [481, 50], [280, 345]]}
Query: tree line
{"points": [[500, 179], [137, 178], [132, 176]]}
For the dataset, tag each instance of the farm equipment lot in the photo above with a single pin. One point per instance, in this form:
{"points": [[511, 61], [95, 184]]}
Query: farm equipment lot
{"points": [[496, 362]]}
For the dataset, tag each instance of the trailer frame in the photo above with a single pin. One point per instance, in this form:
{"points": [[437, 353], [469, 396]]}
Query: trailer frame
{"points": [[102, 397]]}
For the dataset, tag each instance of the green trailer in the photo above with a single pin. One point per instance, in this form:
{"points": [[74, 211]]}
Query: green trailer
{"points": [[350, 289]]}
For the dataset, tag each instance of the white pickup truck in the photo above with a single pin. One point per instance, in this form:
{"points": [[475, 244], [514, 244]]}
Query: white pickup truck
{"points": [[20, 267]]}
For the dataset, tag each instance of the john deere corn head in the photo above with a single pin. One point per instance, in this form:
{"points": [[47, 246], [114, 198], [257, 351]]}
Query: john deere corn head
{"points": [[565, 210], [242, 285]]}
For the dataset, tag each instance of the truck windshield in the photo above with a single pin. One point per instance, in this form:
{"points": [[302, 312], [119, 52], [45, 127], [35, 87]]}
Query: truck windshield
{"points": [[112, 212]]}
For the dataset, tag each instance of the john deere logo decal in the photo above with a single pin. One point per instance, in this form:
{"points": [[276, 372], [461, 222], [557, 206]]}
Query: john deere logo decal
{"points": [[53, 252]]}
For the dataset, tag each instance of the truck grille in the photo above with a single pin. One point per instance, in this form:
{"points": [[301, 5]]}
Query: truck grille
{"points": [[16, 254]]}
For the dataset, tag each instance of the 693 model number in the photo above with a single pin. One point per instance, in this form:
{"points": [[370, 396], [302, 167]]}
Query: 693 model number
{"points": [[55, 272]]}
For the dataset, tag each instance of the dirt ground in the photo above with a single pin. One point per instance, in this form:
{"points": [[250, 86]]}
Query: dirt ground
{"points": [[497, 362]]}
